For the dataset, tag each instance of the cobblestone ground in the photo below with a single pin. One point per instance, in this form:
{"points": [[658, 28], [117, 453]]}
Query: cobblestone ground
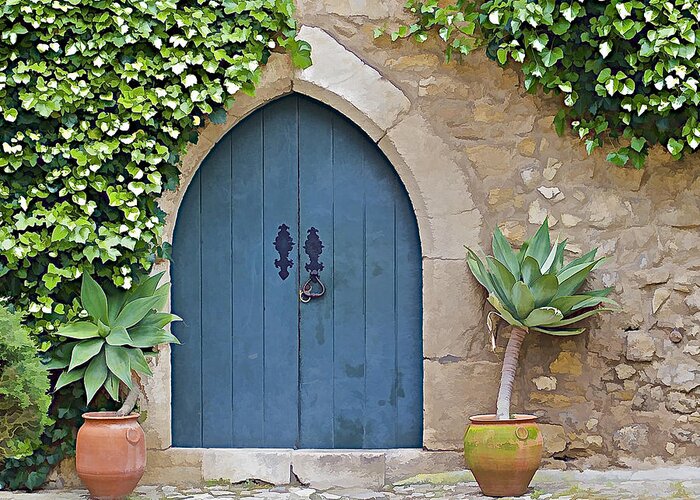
{"points": [[624, 490]]}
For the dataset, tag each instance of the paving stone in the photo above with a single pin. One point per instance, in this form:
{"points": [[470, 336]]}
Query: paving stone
{"points": [[359, 494]]}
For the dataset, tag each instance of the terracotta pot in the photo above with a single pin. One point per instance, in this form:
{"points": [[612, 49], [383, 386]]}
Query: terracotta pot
{"points": [[503, 455], [110, 454]]}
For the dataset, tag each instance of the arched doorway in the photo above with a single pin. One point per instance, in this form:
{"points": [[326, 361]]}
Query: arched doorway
{"points": [[296, 189]]}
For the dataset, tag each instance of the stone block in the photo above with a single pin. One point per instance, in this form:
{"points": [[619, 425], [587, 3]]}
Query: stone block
{"points": [[430, 161], [660, 297], [346, 76], [176, 466], [444, 236], [693, 300], [451, 321], [606, 209], [339, 469], [632, 437], [624, 371], [679, 375], [682, 403], [640, 346], [567, 363], [236, 465], [554, 439], [404, 463], [545, 383], [527, 146], [491, 161], [453, 392]]}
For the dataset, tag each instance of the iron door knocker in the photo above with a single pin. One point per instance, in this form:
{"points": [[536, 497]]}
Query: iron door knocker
{"points": [[314, 287]]}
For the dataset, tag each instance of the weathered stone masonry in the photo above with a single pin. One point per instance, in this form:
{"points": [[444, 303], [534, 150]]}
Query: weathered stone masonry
{"points": [[474, 149], [626, 391]]}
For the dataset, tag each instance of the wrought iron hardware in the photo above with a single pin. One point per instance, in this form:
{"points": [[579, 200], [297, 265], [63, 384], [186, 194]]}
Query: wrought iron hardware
{"points": [[284, 243], [314, 287]]}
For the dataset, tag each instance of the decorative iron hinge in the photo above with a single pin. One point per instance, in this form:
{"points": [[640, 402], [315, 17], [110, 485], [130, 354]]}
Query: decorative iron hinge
{"points": [[284, 243]]}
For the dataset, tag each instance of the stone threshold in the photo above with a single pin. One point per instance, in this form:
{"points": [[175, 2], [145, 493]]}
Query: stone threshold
{"points": [[317, 468]]}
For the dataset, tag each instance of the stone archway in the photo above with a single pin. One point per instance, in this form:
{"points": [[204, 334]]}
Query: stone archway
{"points": [[447, 217]]}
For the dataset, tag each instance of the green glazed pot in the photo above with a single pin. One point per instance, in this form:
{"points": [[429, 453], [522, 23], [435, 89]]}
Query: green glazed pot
{"points": [[503, 455]]}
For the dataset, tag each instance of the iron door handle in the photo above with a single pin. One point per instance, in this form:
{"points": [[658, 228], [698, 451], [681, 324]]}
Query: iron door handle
{"points": [[314, 287], [306, 293]]}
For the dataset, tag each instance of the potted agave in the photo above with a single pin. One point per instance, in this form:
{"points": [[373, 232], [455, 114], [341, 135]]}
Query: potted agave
{"points": [[106, 349], [535, 292]]}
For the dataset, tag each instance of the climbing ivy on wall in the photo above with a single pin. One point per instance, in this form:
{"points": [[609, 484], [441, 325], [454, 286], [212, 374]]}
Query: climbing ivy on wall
{"points": [[99, 101], [627, 69]]}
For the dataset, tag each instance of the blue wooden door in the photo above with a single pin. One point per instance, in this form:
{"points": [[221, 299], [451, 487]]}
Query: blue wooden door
{"points": [[295, 188]]}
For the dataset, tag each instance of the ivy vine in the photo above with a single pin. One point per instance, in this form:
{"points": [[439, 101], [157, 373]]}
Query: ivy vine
{"points": [[627, 69], [100, 99]]}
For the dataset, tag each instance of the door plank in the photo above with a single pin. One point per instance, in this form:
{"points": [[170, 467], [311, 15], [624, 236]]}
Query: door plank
{"points": [[248, 319], [380, 298], [187, 301], [281, 329], [409, 353], [349, 279], [217, 299], [316, 317]]}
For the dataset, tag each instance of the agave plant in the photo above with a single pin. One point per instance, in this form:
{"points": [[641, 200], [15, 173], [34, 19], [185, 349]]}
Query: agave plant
{"points": [[535, 291], [121, 328]]}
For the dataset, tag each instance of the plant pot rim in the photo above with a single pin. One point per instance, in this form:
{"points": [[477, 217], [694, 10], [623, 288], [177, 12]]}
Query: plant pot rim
{"points": [[492, 419], [109, 415]]}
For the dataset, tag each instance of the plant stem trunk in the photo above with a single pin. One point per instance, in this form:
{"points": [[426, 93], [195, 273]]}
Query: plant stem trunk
{"points": [[510, 365], [131, 398]]}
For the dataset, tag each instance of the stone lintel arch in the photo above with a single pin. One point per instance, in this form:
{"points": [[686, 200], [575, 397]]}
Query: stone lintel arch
{"points": [[447, 218]]}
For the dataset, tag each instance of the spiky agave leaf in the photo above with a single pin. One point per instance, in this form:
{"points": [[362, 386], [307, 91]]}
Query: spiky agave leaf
{"points": [[476, 266], [534, 289], [503, 312], [503, 252], [522, 298], [547, 264], [539, 245], [122, 327], [530, 270]]}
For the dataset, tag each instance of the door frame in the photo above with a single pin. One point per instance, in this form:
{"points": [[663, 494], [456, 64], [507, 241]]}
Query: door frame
{"points": [[446, 215]]}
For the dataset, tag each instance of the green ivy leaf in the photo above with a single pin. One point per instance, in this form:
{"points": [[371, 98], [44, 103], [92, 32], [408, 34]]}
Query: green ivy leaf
{"points": [[638, 143], [675, 147], [550, 57], [218, 117], [618, 158]]}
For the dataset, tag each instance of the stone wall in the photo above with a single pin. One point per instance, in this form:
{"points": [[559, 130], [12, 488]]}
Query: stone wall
{"points": [[626, 392]]}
